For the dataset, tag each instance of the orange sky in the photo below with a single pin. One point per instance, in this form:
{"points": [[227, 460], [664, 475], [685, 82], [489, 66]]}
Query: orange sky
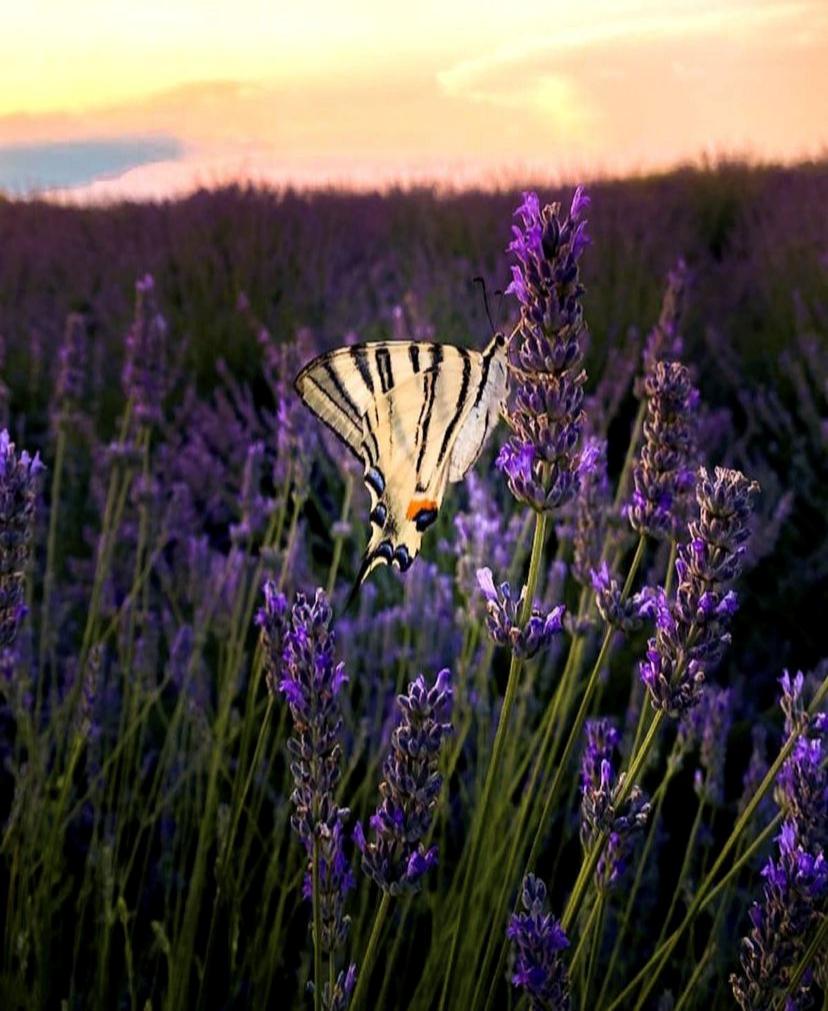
{"points": [[454, 90]]}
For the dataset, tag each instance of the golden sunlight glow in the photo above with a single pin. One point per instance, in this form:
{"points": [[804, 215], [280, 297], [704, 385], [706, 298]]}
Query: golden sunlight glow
{"points": [[438, 87]]}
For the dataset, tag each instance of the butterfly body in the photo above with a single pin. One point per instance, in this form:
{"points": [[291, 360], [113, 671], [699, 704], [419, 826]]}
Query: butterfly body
{"points": [[417, 416]]}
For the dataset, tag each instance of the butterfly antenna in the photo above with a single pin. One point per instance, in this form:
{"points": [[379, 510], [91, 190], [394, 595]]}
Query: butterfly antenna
{"points": [[500, 292], [479, 280]]}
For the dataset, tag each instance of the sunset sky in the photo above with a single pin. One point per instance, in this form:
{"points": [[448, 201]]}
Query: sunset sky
{"points": [[364, 91]]}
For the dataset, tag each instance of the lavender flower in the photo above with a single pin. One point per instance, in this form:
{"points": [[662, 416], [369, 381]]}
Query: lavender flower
{"points": [[592, 506], [756, 770], [691, 631], [540, 461], [795, 887], [271, 620], [664, 341], [538, 941], [598, 813], [338, 998], [708, 723], [626, 615], [395, 857], [70, 386], [18, 491], [311, 683], [335, 881], [663, 476], [503, 619], [144, 374], [255, 507]]}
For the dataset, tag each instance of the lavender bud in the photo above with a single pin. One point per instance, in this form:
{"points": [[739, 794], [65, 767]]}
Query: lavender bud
{"points": [[503, 619], [395, 857], [664, 476], [18, 491], [691, 630], [541, 462], [538, 941]]}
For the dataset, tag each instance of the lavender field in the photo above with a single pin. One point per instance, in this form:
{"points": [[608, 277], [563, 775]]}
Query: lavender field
{"points": [[576, 757]]}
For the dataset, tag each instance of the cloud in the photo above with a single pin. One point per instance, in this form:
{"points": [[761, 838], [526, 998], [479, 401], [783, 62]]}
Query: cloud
{"points": [[42, 166]]}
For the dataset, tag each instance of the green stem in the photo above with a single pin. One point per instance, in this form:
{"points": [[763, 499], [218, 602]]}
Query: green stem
{"points": [[317, 931], [697, 972], [685, 865], [639, 875], [819, 943], [494, 761], [589, 865], [569, 748], [597, 933], [51, 553], [343, 517], [364, 972], [651, 971]]}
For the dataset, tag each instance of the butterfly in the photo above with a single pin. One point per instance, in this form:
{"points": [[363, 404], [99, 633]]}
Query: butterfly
{"points": [[417, 415]]}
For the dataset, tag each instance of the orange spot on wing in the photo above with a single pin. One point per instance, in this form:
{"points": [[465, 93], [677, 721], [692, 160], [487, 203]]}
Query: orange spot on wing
{"points": [[416, 504]]}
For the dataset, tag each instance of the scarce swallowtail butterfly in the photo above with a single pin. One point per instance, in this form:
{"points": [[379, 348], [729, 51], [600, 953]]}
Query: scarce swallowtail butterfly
{"points": [[417, 416]]}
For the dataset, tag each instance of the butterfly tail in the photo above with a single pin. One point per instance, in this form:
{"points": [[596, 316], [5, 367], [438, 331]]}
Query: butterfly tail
{"points": [[365, 567]]}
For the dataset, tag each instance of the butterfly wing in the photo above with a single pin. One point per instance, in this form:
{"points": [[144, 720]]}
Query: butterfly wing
{"points": [[416, 415], [342, 385]]}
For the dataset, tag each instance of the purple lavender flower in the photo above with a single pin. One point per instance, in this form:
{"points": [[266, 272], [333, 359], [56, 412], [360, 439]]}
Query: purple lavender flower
{"points": [[756, 770], [598, 813], [144, 374], [664, 476], [538, 941], [691, 630], [255, 507], [708, 724], [503, 619], [396, 857], [271, 620], [626, 615], [18, 491], [664, 342], [541, 461], [338, 998], [592, 505], [70, 386], [311, 683], [795, 887], [335, 881], [801, 789]]}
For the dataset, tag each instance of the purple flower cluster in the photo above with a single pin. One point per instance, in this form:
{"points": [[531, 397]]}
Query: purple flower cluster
{"points": [[592, 506], [626, 615], [598, 813], [396, 857], [70, 385], [272, 621], [664, 341], [541, 461], [145, 375], [664, 475], [338, 997], [708, 725], [538, 941], [691, 633], [795, 890], [311, 683], [503, 619], [18, 492]]}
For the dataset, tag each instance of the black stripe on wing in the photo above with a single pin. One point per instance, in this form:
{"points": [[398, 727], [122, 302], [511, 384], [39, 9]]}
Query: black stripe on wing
{"points": [[436, 359], [461, 404]]}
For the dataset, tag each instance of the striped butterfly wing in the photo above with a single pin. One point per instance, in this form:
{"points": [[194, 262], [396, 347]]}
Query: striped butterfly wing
{"points": [[416, 415]]}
